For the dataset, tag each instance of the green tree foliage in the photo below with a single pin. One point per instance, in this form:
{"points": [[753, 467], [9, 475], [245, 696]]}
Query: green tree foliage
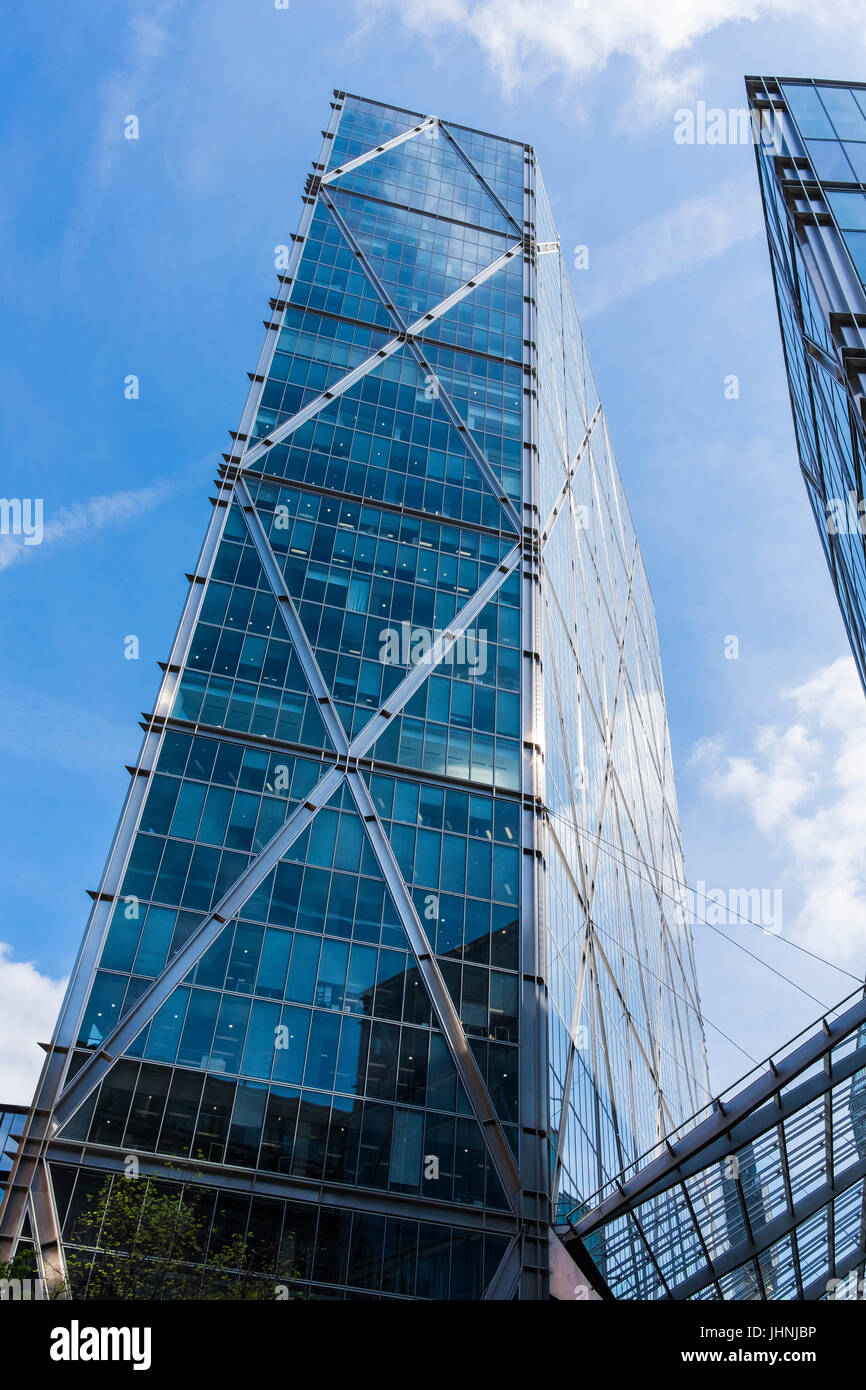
{"points": [[143, 1238]]}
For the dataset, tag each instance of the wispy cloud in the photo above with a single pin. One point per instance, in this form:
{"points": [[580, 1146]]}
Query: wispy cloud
{"points": [[121, 94], [29, 1005], [83, 519], [802, 787], [691, 233], [526, 41], [67, 736]]}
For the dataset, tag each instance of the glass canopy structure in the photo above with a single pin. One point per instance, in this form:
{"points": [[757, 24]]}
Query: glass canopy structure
{"points": [[383, 962], [812, 170], [760, 1196]]}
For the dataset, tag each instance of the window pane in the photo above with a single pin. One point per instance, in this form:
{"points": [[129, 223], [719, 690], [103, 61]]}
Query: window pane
{"points": [[849, 208], [844, 112], [805, 106], [828, 159]]}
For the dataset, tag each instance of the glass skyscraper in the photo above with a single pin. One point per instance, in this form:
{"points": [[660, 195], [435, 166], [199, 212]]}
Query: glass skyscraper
{"points": [[812, 170], [387, 961]]}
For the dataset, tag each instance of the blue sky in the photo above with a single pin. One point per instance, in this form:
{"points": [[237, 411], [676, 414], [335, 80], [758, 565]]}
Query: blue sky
{"points": [[154, 257]]}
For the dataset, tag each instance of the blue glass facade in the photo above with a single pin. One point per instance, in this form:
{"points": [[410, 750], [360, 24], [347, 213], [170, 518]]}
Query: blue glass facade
{"points": [[381, 956], [812, 171]]}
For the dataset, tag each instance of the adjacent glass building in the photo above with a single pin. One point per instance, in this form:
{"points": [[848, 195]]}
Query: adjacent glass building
{"points": [[812, 171], [386, 961]]}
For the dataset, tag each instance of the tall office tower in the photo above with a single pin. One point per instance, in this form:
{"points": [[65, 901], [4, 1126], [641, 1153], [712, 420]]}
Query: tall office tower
{"points": [[386, 960], [812, 169]]}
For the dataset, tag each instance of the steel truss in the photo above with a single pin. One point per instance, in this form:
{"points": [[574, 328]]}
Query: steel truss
{"points": [[752, 1198]]}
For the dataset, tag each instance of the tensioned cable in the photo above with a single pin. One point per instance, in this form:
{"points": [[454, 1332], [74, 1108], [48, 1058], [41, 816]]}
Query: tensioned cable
{"points": [[789, 941], [688, 1003], [666, 985], [593, 835], [676, 1060], [681, 884], [824, 1007], [566, 1100]]}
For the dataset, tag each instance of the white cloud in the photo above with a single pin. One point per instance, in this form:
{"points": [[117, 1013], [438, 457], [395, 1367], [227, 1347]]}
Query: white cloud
{"points": [[802, 785], [691, 233], [29, 1005], [527, 41], [82, 519]]}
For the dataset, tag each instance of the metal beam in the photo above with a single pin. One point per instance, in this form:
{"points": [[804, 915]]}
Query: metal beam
{"points": [[391, 144], [294, 626], [534, 1101], [458, 148], [46, 1232], [449, 1021], [694, 1151], [769, 1234], [444, 399], [421, 325], [468, 441], [325, 398], [817, 1290], [392, 705], [506, 1279], [436, 655], [285, 1186], [569, 477], [258, 451], [352, 241], [443, 1005], [127, 1030]]}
